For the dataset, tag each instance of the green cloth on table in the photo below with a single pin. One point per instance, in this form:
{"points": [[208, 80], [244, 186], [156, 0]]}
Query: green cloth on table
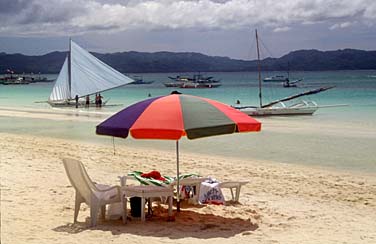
{"points": [[151, 181]]}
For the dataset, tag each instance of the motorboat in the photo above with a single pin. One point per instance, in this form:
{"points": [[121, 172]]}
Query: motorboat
{"points": [[197, 81], [139, 80]]}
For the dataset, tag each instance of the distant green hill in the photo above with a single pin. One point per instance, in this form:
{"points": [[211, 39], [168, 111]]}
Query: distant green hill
{"points": [[133, 62]]}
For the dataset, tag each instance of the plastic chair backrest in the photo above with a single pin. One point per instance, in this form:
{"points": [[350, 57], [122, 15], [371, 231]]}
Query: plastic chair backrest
{"points": [[79, 179]]}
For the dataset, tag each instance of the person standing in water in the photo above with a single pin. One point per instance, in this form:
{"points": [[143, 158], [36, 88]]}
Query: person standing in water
{"points": [[76, 99], [96, 99], [87, 103], [99, 100]]}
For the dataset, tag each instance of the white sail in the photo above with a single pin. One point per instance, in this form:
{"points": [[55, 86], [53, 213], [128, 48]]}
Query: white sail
{"points": [[88, 75], [61, 88]]}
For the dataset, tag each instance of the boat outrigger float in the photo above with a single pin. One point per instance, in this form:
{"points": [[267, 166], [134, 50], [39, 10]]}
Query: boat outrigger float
{"points": [[310, 92]]}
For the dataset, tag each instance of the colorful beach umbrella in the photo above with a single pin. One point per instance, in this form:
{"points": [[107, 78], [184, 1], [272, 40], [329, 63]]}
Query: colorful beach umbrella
{"points": [[173, 116]]}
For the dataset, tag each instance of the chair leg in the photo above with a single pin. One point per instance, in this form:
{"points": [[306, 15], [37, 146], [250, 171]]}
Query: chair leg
{"points": [[149, 206], [170, 198], [125, 213], [103, 212], [142, 209], [94, 209], [77, 205], [124, 210]]}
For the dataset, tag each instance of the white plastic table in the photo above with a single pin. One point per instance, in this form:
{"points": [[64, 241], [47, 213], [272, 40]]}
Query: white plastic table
{"points": [[233, 185]]}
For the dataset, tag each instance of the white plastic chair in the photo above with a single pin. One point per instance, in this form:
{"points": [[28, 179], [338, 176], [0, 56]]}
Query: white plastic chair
{"points": [[95, 196]]}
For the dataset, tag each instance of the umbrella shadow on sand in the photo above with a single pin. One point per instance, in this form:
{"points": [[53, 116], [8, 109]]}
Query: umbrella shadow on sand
{"points": [[188, 223]]}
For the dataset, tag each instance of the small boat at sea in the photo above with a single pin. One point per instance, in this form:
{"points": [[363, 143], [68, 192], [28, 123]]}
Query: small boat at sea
{"points": [[287, 83], [138, 80], [7, 79], [22, 79], [177, 81], [284, 80], [200, 85], [290, 83], [197, 81], [16, 81], [83, 75], [276, 78], [39, 78]]}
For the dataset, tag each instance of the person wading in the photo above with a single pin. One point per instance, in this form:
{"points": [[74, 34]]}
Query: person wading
{"points": [[76, 98], [87, 103]]}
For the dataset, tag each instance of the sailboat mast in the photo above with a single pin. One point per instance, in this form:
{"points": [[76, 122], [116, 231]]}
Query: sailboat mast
{"points": [[69, 69], [259, 69]]}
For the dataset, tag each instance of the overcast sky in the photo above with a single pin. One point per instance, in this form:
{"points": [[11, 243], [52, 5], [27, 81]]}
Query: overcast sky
{"points": [[213, 27]]}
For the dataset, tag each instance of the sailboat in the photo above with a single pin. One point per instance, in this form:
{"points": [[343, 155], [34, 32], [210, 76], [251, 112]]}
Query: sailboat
{"points": [[278, 107], [82, 75]]}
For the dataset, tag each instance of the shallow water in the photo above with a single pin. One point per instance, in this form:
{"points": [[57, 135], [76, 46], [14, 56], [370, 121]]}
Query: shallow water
{"points": [[341, 137]]}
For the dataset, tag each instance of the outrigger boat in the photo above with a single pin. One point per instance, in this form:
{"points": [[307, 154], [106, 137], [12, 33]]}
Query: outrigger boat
{"points": [[83, 75], [279, 107]]}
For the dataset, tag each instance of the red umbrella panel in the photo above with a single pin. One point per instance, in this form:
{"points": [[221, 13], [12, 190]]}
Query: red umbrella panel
{"points": [[173, 116]]}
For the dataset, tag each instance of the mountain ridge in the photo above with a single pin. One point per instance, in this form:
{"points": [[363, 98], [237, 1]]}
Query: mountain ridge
{"points": [[165, 61]]}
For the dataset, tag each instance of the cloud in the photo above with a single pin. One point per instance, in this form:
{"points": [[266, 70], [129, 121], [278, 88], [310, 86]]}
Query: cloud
{"points": [[341, 25], [282, 29], [370, 14], [69, 17]]}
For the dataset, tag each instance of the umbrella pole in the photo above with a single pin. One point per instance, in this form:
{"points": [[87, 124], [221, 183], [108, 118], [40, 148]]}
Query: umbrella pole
{"points": [[178, 180], [113, 143]]}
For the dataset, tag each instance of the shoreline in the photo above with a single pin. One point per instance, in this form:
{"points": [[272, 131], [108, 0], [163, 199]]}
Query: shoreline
{"points": [[314, 141], [170, 151]]}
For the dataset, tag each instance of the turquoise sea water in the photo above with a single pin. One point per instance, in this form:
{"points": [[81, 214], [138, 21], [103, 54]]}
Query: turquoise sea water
{"points": [[339, 137]]}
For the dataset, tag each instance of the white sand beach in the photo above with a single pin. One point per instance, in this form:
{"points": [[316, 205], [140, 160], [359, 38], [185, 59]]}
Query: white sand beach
{"points": [[283, 203]]}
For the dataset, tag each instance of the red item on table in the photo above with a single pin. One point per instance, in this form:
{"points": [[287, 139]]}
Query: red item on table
{"points": [[153, 174]]}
